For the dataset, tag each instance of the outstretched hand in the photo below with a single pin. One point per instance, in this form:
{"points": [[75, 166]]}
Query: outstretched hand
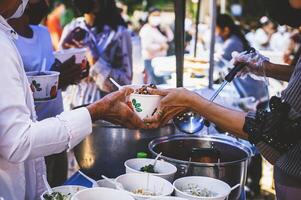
{"points": [[114, 108], [174, 102]]}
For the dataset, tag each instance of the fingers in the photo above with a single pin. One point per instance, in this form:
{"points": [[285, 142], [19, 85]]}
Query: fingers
{"points": [[158, 92]]}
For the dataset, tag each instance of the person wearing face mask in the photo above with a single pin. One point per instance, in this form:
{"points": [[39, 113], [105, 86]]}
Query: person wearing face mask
{"points": [[103, 31], [24, 140], [36, 38], [154, 42]]}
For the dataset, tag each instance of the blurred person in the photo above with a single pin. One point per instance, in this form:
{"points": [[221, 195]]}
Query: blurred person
{"points": [[231, 36], [53, 23], [103, 31], [34, 45], [264, 34], [154, 41], [280, 39], [24, 140]]}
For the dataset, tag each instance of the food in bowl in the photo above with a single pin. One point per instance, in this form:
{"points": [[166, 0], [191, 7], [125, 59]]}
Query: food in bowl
{"points": [[196, 190], [57, 196], [145, 192], [62, 192], [143, 89], [149, 169], [143, 186], [162, 169], [143, 103]]}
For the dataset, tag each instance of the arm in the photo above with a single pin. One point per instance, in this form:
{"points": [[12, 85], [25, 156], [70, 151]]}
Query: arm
{"points": [[176, 101], [22, 138], [227, 119], [277, 71], [259, 65]]}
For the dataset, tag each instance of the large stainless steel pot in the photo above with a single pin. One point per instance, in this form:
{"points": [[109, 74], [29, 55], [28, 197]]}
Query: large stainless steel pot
{"points": [[216, 156], [109, 146]]}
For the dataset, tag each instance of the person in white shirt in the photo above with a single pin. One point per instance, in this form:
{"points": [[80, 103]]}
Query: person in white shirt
{"points": [[24, 141], [154, 41], [36, 38], [263, 35], [281, 39]]}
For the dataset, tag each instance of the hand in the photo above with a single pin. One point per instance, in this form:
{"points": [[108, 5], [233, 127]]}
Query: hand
{"points": [[70, 72], [174, 102], [255, 62], [75, 39], [114, 108]]}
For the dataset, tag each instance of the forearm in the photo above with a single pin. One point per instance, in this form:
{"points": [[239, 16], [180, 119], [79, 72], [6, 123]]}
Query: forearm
{"points": [[279, 72], [227, 119]]}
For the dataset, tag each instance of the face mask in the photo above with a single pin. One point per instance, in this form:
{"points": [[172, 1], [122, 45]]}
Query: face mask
{"points": [[19, 12], [154, 21], [36, 12]]}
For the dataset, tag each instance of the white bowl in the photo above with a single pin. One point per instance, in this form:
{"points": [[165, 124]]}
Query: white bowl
{"points": [[63, 55], [68, 189], [144, 105], [134, 181], [167, 198], [45, 86], [102, 194], [221, 188], [165, 170], [106, 184]]}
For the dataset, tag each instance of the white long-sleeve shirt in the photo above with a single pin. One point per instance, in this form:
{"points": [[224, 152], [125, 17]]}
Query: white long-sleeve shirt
{"points": [[24, 141], [152, 40]]}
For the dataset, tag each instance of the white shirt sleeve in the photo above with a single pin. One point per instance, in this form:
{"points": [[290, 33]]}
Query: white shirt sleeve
{"points": [[20, 137]]}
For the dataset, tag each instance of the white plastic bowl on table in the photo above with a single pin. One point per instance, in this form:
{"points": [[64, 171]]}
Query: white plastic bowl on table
{"points": [[63, 55], [164, 169], [167, 198], [134, 181], [99, 193], [221, 188], [68, 189]]}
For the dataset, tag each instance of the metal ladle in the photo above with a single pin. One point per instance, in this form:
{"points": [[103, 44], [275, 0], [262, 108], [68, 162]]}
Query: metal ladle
{"points": [[191, 122]]}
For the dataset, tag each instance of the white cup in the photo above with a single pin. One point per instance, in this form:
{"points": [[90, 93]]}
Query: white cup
{"points": [[144, 105], [63, 55], [44, 86]]}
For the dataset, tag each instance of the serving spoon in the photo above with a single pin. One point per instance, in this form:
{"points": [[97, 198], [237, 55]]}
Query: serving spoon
{"points": [[191, 122]]}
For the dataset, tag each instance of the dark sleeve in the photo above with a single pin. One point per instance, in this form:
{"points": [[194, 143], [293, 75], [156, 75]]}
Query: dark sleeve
{"points": [[273, 132]]}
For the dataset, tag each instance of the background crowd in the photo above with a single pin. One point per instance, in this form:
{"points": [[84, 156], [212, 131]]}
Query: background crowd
{"points": [[123, 46]]}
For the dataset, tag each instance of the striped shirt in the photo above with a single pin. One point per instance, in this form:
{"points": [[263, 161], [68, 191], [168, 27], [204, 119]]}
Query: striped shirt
{"points": [[290, 162]]}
